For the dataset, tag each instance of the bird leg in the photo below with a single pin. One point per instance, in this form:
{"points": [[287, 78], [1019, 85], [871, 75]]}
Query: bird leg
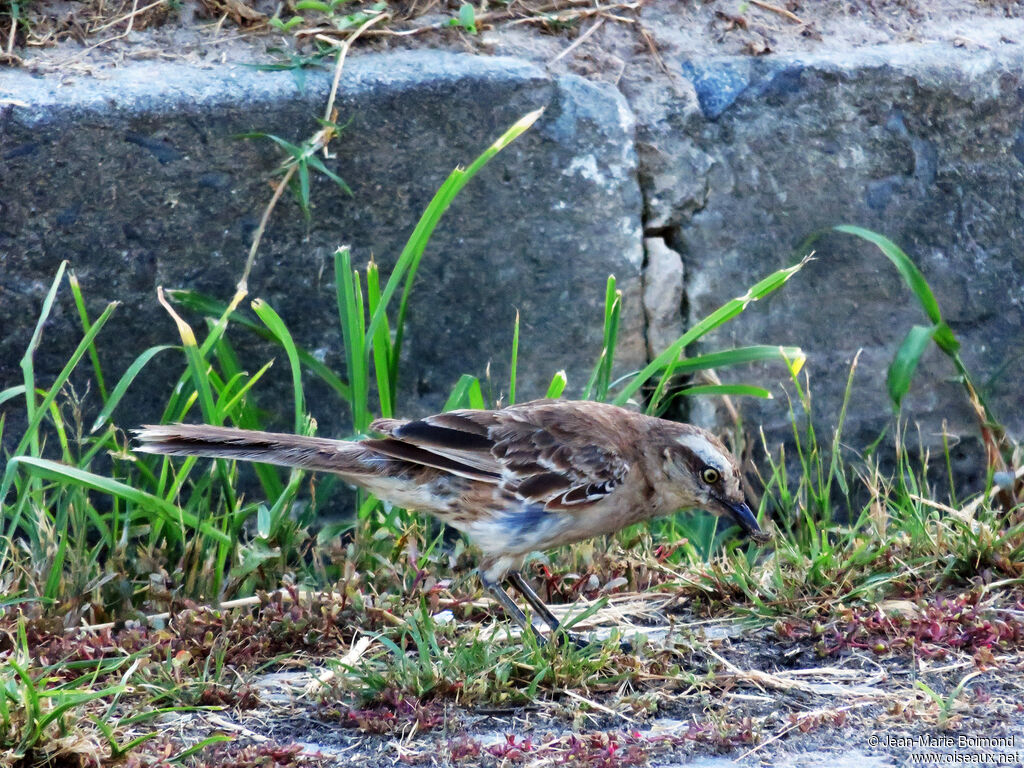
{"points": [[514, 611], [522, 586]]}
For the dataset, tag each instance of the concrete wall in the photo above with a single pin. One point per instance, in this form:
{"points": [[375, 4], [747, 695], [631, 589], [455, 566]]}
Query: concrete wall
{"points": [[138, 181]]}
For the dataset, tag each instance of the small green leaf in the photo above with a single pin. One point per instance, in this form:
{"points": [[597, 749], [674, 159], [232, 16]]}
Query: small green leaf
{"points": [[286, 26], [901, 370], [263, 521], [254, 557], [332, 531], [944, 337], [557, 385], [467, 18]]}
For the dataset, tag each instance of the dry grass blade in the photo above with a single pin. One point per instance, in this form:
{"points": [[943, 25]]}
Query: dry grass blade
{"points": [[129, 17], [343, 48], [780, 11], [597, 705], [789, 680], [356, 652], [577, 42], [803, 717]]}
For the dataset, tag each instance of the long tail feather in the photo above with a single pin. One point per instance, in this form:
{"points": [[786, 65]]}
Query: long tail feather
{"points": [[347, 458]]}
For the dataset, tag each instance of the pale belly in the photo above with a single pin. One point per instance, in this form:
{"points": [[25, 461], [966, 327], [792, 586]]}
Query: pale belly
{"points": [[532, 529]]}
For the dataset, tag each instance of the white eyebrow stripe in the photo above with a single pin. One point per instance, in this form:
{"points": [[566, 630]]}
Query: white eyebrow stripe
{"points": [[705, 450]]}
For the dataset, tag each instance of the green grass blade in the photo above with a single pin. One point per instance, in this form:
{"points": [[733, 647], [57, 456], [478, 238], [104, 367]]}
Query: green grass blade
{"points": [[557, 385], [793, 357], [600, 378], [195, 749], [947, 341], [409, 259], [668, 359], [741, 356], [183, 398], [229, 405], [61, 472], [277, 327], [940, 332], [315, 161], [743, 390], [384, 366], [198, 369], [514, 362], [613, 309], [31, 431], [354, 335], [125, 381], [903, 365], [303, 169], [56, 566], [83, 315], [11, 392], [908, 270], [27, 361], [465, 394]]}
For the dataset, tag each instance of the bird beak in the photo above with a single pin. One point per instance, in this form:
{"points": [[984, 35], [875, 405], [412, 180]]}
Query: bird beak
{"points": [[741, 513]]}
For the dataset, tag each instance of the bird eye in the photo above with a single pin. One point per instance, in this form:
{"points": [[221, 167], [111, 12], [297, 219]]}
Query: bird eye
{"points": [[710, 475]]}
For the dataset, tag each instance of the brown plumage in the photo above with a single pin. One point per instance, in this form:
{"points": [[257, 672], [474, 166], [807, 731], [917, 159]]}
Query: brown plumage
{"points": [[515, 480]]}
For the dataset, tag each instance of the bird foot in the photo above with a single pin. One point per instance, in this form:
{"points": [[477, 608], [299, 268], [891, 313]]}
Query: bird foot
{"points": [[561, 637]]}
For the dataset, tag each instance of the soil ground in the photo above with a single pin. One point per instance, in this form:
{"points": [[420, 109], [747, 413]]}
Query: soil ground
{"points": [[753, 697], [599, 39]]}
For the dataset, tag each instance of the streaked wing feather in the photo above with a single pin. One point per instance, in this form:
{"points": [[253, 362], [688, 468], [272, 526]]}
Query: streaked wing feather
{"points": [[460, 437], [524, 448], [399, 449], [547, 464]]}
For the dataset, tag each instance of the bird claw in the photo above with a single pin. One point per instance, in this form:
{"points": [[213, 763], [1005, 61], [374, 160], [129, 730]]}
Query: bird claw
{"points": [[581, 642]]}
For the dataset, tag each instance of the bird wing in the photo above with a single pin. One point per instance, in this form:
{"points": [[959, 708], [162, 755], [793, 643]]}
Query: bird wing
{"points": [[554, 454], [562, 457], [456, 441]]}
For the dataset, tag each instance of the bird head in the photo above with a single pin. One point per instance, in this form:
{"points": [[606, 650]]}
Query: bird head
{"points": [[707, 477]]}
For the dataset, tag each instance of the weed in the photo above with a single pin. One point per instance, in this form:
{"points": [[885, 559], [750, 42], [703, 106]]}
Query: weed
{"points": [[930, 628], [302, 158], [466, 20], [904, 364], [945, 704]]}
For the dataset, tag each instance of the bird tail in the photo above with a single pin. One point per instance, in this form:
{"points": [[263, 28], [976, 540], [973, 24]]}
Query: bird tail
{"points": [[317, 453]]}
